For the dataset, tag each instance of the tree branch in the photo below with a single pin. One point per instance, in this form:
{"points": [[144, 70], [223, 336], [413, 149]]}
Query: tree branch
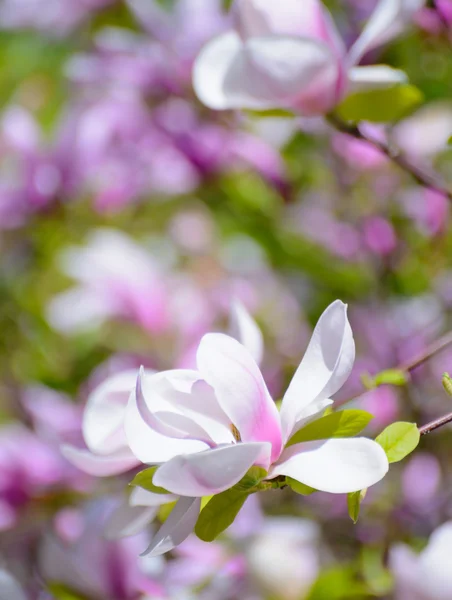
{"points": [[436, 424], [427, 179]]}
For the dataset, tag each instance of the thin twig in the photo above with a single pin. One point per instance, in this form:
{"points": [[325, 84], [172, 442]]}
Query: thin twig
{"points": [[436, 424], [441, 344], [432, 350], [427, 179]]}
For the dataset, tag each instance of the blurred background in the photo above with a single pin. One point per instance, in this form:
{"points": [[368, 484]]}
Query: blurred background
{"points": [[131, 216]]}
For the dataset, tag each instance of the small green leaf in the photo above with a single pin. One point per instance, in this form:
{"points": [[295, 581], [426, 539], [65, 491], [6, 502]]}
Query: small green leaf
{"points": [[398, 440], [345, 423], [300, 488], [222, 509], [380, 105], [144, 480], [61, 592], [165, 510], [447, 383], [271, 113], [392, 377], [354, 500], [337, 583]]}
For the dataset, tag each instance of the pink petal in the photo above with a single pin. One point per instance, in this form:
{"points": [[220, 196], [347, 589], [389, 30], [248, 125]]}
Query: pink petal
{"points": [[267, 72], [308, 19], [100, 466], [324, 368], [388, 20], [212, 471], [176, 528], [240, 388]]}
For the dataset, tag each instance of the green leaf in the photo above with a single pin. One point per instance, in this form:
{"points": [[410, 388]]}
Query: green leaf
{"points": [[392, 377], [398, 440], [61, 592], [345, 423], [337, 583], [300, 488], [144, 480], [354, 500], [380, 105], [165, 510], [272, 113], [447, 383], [220, 512]]}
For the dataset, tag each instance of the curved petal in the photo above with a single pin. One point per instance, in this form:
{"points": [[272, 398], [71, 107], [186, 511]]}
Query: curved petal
{"points": [[387, 21], [240, 388], [9, 588], [178, 404], [98, 465], [149, 446], [324, 368], [374, 77], [337, 465], [245, 329], [166, 422], [176, 528], [308, 19], [266, 72], [103, 418], [127, 520], [212, 471]]}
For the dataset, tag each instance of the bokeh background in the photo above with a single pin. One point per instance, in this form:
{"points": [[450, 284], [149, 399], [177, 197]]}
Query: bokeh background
{"points": [[131, 216]]}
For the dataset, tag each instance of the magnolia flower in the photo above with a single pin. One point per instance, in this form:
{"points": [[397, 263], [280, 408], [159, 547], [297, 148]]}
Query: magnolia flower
{"points": [[206, 428], [108, 452], [117, 278], [289, 54], [426, 576]]}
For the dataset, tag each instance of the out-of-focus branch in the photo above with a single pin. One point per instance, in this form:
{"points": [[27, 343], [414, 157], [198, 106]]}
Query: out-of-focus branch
{"points": [[441, 344], [426, 178], [436, 424]]}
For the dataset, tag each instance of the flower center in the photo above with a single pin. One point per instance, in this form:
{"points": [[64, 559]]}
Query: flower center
{"points": [[236, 433]]}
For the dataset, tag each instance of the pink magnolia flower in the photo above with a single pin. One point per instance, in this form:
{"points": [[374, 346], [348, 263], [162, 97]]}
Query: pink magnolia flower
{"points": [[426, 576], [117, 278], [206, 428], [290, 54], [108, 452]]}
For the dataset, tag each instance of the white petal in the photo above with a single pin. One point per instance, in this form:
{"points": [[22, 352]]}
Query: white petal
{"points": [[240, 388], [210, 472], [9, 588], [98, 465], [324, 368], [266, 72], [245, 329], [103, 419], [149, 446], [78, 309], [127, 520], [176, 528], [374, 77], [141, 497], [388, 20], [337, 465]]}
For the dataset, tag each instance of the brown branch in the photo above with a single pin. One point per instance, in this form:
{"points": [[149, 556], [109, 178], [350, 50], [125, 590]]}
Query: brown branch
{"points": [[441, 344], [427, 179], [432, 350], [436, 424]]}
